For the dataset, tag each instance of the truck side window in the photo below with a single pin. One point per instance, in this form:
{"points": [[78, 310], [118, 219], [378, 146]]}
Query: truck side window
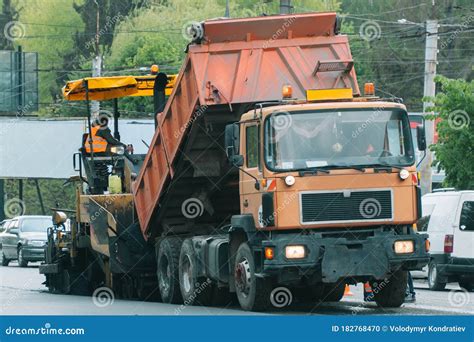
{"points": [[252, 143], [467, 216]]}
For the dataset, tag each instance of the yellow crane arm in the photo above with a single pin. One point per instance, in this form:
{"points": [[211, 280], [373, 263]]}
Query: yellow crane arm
{"points": [[108, 88]]}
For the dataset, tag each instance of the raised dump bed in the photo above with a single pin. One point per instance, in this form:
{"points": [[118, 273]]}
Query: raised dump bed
{"points": [[232, 66]]}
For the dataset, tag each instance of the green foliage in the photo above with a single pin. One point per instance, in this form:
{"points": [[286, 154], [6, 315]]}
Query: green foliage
{"points": [[49, 30], [455, 148], [52, 190], [394, 58]]}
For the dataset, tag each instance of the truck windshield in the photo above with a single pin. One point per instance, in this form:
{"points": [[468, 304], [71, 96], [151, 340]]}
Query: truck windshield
{"points": [[337, 138]]}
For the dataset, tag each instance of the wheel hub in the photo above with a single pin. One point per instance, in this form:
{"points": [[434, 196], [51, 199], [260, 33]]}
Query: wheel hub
{"points": [[187, 275], [242, 277], [165, 274]]}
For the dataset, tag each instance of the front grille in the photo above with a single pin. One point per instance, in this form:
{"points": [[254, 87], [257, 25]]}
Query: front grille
{"points": [[346, 206]]}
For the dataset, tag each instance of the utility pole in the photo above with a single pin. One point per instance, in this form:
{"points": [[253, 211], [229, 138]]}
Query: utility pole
{"points": [[2, 199], [20, 76], [285, 7], [431, 53], [96, 62], [227, 9]]}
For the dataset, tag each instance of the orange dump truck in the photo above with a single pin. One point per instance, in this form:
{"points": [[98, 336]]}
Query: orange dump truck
{"points": [[268, 168]]}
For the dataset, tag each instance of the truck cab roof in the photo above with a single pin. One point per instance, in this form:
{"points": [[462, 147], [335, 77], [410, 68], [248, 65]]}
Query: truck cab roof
{"points": [[292, 107]]}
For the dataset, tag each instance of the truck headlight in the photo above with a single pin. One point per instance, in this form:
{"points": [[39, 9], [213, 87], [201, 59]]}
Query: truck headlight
{"points": [[290, 180], [117, 149], [404, 174], [295, 252], [403, 247]]}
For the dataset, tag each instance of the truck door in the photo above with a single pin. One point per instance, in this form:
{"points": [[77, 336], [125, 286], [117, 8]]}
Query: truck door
{"points": [[464, 228], [250, 196]]}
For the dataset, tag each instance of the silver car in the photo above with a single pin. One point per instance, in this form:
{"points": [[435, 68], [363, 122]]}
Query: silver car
{"points": [[24, 239]]}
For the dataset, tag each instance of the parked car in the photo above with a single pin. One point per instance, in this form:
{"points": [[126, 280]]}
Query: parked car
{"points": [[4, 225], [24, 239], [449, 221], [3, 231]]}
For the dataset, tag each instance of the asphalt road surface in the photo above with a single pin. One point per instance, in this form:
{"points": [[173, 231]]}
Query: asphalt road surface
{"points": [[22, 293]]}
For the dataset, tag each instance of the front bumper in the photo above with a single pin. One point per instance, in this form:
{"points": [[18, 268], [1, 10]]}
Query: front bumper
{"points": [[329, 259], [33, 253]]}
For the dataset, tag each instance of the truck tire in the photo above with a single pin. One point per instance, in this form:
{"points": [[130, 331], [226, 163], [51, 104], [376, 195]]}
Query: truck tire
{"points": [[167, 270], [194, 290], [434, 282], [253, 293], [467, 285], [5, 260], [392, 294], [21, 260]]}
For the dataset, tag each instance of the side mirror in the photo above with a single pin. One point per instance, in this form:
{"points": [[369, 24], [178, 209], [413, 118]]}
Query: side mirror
{"points": [[232, 142], [237, 160], [15, 231], [421, 137]]}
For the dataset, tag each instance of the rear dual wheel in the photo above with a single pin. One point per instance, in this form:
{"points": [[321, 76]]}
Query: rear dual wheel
{"points": [[168, 270], [195, 290]]}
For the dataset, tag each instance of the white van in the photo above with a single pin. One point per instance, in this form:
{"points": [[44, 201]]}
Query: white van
{"points": [[448, 218]]}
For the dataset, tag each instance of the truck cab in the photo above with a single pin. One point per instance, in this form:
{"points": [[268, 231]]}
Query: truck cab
{"points": [[331, 190]]}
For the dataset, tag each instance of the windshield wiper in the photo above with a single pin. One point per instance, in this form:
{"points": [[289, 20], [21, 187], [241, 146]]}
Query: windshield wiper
{"points": [[385, 166], [312, 171], [344, 166]]}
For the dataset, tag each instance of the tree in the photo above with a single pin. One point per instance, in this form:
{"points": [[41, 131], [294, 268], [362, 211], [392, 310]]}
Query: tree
{"points": [[454, 106], [7, 15], [391, 54]]}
